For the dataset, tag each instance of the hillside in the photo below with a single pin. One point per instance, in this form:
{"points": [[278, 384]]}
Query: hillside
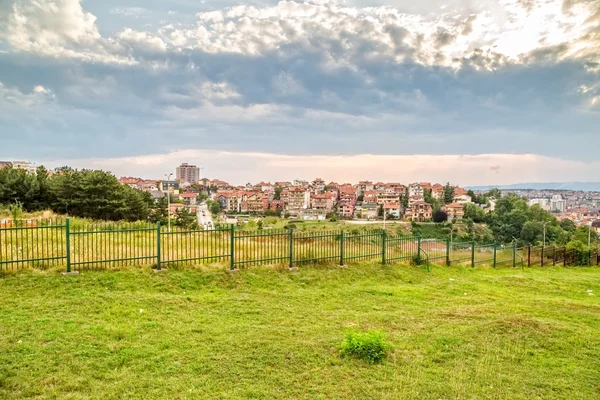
{"points": [[185, 334]]}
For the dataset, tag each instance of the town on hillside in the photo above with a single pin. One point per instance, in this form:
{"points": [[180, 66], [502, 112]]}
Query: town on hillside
{"points": [[320, 200]]}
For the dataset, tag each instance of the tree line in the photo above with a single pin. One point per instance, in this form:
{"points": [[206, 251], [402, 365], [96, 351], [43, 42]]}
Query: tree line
{"points": [[90, 194]]}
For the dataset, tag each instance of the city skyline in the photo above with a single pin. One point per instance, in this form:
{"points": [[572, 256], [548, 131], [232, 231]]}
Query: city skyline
{"points": [[489, 92]]}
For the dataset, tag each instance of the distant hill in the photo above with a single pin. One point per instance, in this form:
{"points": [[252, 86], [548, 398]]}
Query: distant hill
{"points": [[584, 186]]}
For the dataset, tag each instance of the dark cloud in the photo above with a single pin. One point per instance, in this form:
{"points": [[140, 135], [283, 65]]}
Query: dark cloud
{"points": [[443, 38]]}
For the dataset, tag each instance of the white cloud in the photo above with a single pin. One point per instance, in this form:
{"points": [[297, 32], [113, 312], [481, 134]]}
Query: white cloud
{"points": [[129, 11], [511, 29], [12, 100], [240, 167]]}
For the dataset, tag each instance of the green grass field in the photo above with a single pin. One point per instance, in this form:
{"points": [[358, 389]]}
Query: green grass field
{"points": [[458, 333]]}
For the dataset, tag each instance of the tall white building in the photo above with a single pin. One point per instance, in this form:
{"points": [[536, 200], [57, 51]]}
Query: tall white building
{"points": [[543, 203], [188, 173], [558, 204]]}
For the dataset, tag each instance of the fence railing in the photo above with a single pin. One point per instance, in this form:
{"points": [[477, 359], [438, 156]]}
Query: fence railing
{"points": [[51, 243]]}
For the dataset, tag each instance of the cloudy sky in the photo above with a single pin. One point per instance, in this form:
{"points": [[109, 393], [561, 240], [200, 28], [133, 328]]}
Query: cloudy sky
{"points": [[468, 91]]}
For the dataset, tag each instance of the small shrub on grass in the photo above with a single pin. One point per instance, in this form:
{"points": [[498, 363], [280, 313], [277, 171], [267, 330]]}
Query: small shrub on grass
{"points": [[368, 346]]}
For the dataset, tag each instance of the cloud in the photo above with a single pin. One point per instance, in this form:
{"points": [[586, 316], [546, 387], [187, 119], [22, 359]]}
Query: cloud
{"points": [[136, 12], [305, 78], [242, 167]]}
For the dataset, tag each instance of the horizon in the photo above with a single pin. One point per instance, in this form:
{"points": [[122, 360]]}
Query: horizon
{"points": [[499, 91], [485, 186]]}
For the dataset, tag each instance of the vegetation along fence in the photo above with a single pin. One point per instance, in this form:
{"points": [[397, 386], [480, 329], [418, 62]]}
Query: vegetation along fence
{"points": [[78, 246]]}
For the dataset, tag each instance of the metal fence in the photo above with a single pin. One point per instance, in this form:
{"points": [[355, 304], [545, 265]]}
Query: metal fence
{"points": [[80, 246]]}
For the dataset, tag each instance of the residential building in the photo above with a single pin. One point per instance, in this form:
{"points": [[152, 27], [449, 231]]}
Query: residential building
{"points": [[346, 210], [190, 198], [458, 191], [299, 182], [379, 186], [363, 186], [318, 184], [169, 186], [4, 164], [366, 211], [298, 198], [462, 199], [415, 189], [312, 215], [426, 186], [438, 192], [415, 199], [275, 205], [255, 203], [543, 203], [393, 210], [188, 173], [419, 211], [370, 196], [455, 211], [130, 181], [25, 165], [557, 204], [322, 201], [388, 198], [283, 184]]}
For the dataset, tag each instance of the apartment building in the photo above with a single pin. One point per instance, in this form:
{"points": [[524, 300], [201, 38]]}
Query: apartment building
{"points": [[455, 211], [324, 201], [438, 192], [364, 186], [415, 189], [187, 173], [419, 211], [298, 198]]}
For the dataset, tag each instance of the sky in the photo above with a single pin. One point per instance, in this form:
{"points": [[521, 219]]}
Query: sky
{"points": [[473, 92]]}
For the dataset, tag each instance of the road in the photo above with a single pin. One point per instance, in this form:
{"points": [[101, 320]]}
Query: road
{"points": [[204, 217]]}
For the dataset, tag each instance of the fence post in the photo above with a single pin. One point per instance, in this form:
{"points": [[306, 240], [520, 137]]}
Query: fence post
{"points": [[68, 244], [590, 263], [473, 255], [342, 248], [554, 257], [515, 254], [232, 247], [529, 256], [158, 245], [291, 243], [418, 249], [542, 258], [565, 257], [495, 248], [383, 244], [447, 252]]}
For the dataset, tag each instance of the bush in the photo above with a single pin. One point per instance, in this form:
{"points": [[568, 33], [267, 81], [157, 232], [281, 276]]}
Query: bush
{"points": [[369, 346]]}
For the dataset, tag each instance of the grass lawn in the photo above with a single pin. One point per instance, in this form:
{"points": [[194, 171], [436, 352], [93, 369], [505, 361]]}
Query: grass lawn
{"points": [[458, 333]]}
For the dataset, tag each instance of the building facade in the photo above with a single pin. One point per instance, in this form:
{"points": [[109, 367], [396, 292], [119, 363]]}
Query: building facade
{"points": [[188, 173]]}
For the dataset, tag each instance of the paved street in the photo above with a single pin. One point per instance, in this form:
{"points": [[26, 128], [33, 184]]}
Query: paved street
{"points": [[204, 217]]}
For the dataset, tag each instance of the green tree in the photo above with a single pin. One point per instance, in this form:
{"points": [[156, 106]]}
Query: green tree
{"points": [[159, 212], [585, 233], [380, 211], [277, 193], [360, 197], [448, 193], [568, 225], [476, 214], [186, 219], [532, 232], [494, 194], [214, 206]]}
